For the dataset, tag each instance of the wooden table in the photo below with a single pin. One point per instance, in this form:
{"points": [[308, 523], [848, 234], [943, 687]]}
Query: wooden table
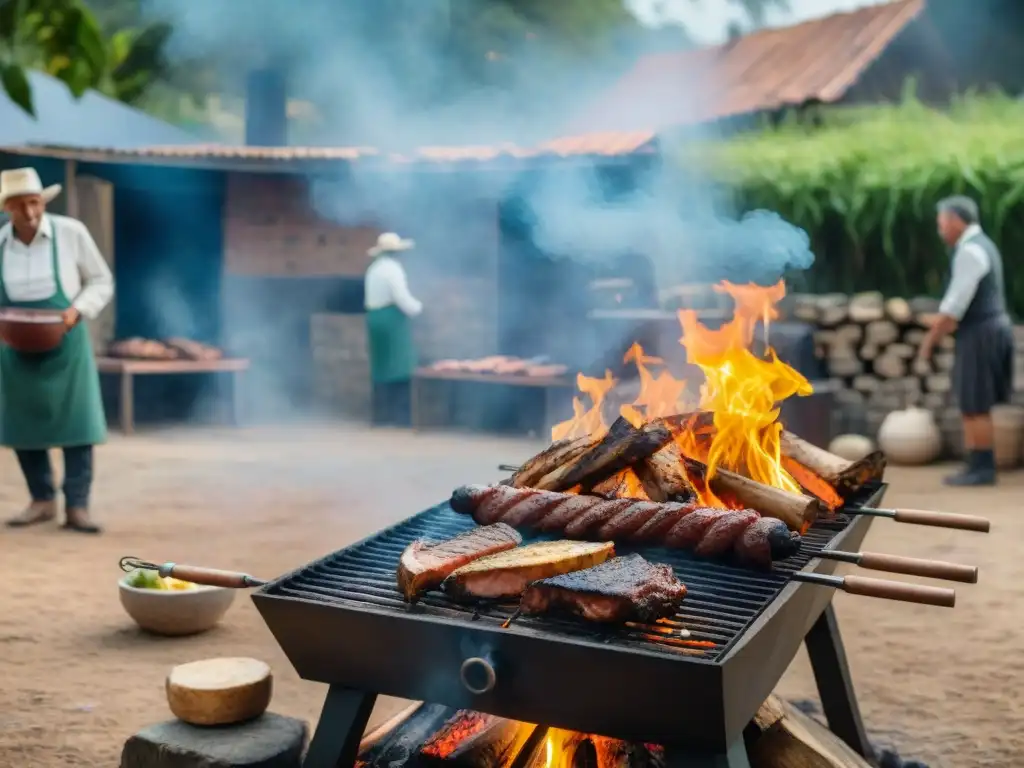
{"points": [[550, 385], [127, 370]]}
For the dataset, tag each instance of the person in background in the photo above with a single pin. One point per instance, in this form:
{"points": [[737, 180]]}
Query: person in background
{"points": [[389, 310], [51, 400], [974, 311]]}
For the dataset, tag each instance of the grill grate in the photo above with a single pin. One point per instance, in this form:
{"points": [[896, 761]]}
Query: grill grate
{"points": [[721, 602]]}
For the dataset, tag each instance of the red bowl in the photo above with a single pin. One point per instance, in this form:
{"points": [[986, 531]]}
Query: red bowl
{"points": [[32, 331]]}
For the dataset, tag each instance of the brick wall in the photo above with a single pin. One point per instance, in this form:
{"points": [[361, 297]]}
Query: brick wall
{"points": [[272, 231]]}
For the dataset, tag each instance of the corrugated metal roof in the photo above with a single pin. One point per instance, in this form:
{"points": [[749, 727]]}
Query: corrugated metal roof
{"points": [[817, 60], [609, 144], [92, 119]]}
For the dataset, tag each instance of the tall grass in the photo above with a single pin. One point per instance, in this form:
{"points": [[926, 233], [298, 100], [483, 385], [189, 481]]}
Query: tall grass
{"points": [[865, 183]]}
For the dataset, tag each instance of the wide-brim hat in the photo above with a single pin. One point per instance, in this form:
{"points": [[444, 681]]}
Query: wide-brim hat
{"points": [[389, 242], [25, 181]]}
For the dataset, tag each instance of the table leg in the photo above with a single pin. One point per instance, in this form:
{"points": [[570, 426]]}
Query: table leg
{"points": [[127, 403], [414, 403], [236, 398]]}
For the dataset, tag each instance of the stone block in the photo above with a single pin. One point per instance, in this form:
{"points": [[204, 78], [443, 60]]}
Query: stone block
{"points": [[269, 741]]}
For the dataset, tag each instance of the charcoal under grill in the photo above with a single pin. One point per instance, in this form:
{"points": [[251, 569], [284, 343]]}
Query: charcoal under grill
{"points": [[341, 621]]}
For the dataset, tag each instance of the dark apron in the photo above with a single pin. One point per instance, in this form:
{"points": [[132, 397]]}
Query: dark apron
{"points": [[392, 350], [50, 400]]}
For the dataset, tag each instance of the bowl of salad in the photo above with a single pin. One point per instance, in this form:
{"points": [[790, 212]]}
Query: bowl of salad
{"points": [[167, 606]]}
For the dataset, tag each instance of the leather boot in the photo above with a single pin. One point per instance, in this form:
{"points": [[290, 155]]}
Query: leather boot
{"points": [[35, 513], [980, 470], [79, 520]]}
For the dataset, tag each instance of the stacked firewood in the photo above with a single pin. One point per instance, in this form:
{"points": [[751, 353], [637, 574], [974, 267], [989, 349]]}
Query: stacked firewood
{"points": [[870, 346]]}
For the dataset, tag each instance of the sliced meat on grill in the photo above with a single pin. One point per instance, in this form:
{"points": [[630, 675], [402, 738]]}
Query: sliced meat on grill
{"points": [[425, 564], [618, 590], [507, 574], [706, 531]]}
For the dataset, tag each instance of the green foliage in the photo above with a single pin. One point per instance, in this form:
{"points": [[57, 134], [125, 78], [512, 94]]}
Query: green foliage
{"points": [[64, 39], [865, 184]]}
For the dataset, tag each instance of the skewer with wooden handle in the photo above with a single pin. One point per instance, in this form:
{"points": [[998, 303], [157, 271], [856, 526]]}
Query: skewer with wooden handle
{"points": [[926, 517], [909, 566], [886, 590], [208, 577]]}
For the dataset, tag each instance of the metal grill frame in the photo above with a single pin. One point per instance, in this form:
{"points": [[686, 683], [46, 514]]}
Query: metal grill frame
{"points": [[547, 677]]}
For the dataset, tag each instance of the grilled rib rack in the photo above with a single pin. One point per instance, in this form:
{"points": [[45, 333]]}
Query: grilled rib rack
{"points": [[341, 621]]}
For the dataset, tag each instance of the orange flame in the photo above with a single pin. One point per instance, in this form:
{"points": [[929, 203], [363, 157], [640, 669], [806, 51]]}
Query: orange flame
{"points": [[741, 389]]}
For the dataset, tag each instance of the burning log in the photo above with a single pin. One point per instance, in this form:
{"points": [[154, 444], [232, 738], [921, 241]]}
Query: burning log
{"points": [[784, 737], [396, 743], [797, 511], [475, 740], [662, 476], [844, 476], [623, 446], [622, 485], [558, 454]]}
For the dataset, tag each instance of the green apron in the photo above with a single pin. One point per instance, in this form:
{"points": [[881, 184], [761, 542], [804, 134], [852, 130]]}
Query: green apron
{"points": [[392, 350], [50, 400]]}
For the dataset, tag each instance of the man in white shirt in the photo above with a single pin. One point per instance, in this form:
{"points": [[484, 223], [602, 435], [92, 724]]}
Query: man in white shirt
{"points": [[974, 311], [389, 310], [52, 399]]}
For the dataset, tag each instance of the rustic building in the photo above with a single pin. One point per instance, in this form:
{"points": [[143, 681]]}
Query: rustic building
{"points": [[262, 250]]}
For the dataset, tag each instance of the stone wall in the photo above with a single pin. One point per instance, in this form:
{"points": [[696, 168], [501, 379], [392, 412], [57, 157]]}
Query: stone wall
{"points": [[870, 346]]}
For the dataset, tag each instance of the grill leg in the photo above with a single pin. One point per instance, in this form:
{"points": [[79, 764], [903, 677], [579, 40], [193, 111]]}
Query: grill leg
{"points": [[734, 757], [343, 719], [835, 688]]}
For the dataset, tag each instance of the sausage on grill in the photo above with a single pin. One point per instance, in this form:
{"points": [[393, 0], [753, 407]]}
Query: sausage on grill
{"points": [[707, 531]]}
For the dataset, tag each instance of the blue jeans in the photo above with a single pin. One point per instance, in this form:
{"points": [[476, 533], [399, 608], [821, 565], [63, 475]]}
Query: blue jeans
{"points": [[35, 466]]}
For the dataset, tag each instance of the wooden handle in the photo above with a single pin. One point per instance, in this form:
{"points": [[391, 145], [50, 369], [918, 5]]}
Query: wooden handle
{"points": [[915, 566], [943, 520], [898, 590], [212, 577]]}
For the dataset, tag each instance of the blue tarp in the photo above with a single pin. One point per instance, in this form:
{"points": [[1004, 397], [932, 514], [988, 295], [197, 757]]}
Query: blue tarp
{"points": [[92, 121]]}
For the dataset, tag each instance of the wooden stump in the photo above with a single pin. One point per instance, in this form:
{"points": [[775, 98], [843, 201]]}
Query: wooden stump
{"points": [[787, 738], [269, 741]]}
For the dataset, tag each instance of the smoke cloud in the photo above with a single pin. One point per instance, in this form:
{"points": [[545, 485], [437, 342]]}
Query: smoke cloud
{"points": [[384, 74]]}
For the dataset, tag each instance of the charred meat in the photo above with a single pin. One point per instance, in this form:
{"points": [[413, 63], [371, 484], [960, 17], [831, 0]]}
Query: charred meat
{"points": [[709, 532], [425, 564], [618, 590], [507, 574]]}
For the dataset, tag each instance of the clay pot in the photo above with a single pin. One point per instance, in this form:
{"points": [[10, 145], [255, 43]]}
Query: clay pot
{"points": [[31, 331], [1008, 424], [851, 447], [910, 437]]}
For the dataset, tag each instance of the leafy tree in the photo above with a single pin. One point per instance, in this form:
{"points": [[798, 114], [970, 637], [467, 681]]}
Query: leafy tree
{"points": [[65, 39]]}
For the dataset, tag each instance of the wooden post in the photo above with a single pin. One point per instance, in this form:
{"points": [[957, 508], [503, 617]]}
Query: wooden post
{"points": [[71, 188]]}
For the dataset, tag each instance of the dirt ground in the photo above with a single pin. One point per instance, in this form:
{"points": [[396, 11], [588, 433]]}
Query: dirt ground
{"points": [[78, 678]]}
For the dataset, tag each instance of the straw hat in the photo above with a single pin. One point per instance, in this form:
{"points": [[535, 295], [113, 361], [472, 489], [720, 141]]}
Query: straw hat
{"points": [[25, 181], [389, 242]]}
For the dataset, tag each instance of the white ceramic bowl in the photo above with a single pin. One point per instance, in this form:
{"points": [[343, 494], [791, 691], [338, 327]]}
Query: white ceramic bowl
{"points": [[176, 612]]}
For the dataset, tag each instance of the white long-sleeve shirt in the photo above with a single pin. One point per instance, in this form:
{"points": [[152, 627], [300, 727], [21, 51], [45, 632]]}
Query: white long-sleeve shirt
{"points": [[386, 284], [970, 264], [28, 269]]}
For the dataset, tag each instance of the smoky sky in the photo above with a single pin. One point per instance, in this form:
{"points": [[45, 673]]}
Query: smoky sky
{"points": [[367, 65]]}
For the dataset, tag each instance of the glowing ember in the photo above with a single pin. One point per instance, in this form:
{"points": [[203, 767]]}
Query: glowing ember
{"points": [[741, 389]]}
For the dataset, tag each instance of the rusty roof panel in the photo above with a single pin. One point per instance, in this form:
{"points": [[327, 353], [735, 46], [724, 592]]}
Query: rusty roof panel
{"points": [[817, 60], [599, 144]]}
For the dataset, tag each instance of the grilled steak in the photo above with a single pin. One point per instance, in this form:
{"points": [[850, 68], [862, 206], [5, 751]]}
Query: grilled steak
{"points": [[507, 574], [708, 532], [425, 564], [618, 590]]}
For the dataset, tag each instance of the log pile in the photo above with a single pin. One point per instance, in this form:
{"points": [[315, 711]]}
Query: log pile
{"points": [[870, 346]]}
